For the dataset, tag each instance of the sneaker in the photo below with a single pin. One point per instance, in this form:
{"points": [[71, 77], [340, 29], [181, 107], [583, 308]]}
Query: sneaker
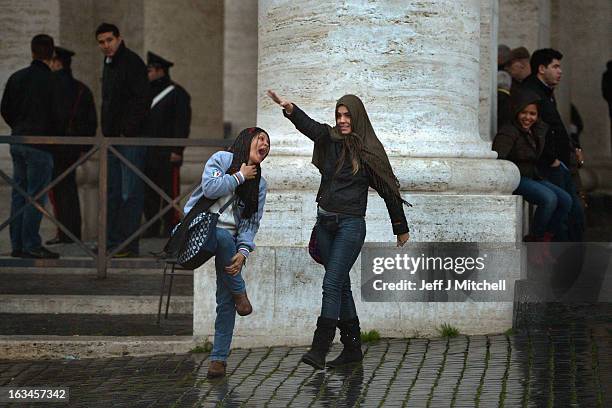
{"points": [[40, 253]]}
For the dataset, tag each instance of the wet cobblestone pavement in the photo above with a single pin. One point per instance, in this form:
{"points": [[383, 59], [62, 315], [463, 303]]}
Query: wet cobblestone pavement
{"points": [[551, 367]]}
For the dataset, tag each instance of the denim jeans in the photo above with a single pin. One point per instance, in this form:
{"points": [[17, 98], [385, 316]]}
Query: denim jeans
{"points": [[125, 196], [226, 286], [561, 177], [32, 170], [553, 205], [339, 242]]}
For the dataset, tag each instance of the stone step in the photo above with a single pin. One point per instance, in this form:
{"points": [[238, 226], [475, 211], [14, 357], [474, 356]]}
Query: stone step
{"points": [[124, 283], [81, 324], [91, 304], [74, 348]]}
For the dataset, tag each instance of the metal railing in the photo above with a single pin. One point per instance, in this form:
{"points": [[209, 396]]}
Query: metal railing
{"points": [[101, 260]]}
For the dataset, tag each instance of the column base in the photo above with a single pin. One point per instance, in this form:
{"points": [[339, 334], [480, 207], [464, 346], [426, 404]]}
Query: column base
{"points": [[284, 284]]}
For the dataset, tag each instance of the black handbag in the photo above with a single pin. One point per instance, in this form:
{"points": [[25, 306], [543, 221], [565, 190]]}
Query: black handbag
{"points": [[194, 240]]}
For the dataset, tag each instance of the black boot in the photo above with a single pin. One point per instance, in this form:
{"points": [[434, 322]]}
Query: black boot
{"points": [[322, 339], [350, 336]]}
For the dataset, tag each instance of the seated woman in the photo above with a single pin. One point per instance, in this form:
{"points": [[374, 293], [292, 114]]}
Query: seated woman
{"points": [[522, 141], [235, 175]]}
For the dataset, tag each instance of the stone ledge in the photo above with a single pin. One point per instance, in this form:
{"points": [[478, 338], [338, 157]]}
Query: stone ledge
{"points": [[91, 304], [72, 348], [284, 286]]}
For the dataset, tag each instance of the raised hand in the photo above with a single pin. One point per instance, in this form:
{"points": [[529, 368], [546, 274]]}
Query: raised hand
{"points": [[249, 172], [285, 104], [235, 264]]}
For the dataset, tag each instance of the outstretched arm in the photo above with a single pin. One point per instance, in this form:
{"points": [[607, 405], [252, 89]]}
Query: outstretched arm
{"points": [[314, 130]]}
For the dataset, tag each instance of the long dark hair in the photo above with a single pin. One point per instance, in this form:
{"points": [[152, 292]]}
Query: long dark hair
{"points": [[248, 192]]}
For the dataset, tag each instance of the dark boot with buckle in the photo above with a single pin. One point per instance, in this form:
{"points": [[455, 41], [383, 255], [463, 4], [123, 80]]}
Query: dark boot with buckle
{"points": [[243, 306], [322, 339], [350, 336]]}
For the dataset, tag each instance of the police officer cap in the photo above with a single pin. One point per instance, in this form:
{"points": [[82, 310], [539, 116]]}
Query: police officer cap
{"points": [[63, 53], [157, 61]]}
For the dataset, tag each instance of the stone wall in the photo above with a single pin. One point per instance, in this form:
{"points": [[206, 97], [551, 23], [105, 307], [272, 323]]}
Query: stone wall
{"points": [[240, 64], [524, 23]]}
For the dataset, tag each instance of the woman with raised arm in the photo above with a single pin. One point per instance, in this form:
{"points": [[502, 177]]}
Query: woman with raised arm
{"points": [[350, 159], [234, 175]]}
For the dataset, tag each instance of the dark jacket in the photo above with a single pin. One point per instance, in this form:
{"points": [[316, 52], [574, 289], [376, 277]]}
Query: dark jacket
{"points": [[341, 191], [125, 94], [521, 147], [79, 110], [606, 87], [504, 114], [558, 142], [577, 126], [31, 103], [170, 117]]}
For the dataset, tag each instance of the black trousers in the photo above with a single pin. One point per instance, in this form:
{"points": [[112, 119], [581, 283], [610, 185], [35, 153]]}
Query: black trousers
{"points": [[167, 176], [65, 196]]}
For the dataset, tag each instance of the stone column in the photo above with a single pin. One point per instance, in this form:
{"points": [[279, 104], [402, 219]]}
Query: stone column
{"points": [[592, 29], [422, 95], [524, 23], [190, 34], [416, 67], [240, 64], [488, 68]]}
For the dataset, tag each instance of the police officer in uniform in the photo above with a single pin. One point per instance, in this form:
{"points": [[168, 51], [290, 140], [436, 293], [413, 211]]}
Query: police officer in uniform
{"points": [[170, 116], [79, 109]]}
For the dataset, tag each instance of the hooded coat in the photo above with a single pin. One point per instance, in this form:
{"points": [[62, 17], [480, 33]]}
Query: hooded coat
{"points": [[340, 190], [523, 148]]}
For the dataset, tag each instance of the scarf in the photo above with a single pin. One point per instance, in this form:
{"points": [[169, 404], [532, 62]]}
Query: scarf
{"points": [[363, 146]]}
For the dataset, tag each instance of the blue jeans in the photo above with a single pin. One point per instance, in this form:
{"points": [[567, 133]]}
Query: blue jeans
{"points": [[125, 196], [227, 285], [32, 171], [561, 177], [553, 205], [339, 242]]}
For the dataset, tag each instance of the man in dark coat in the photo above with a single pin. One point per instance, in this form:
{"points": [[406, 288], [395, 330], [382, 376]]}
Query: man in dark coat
{"points": [[80, 111], [30, 106], [504, 111], [517, 65], [170, 116], [559, 149], [125, 103]]}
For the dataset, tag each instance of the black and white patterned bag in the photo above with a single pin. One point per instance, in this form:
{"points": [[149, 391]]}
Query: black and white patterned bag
{"points": [[200, 239]]}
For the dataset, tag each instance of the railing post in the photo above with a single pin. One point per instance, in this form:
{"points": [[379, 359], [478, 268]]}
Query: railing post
{"points": [[101, 260]]}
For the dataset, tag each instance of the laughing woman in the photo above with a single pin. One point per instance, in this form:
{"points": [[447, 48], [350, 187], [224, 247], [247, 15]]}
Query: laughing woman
{"points": [[235, 175], [521, 141], [350, 159]]}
